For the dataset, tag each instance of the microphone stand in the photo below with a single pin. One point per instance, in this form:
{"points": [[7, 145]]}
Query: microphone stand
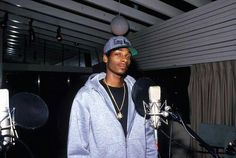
{"points": [[178, 119]]}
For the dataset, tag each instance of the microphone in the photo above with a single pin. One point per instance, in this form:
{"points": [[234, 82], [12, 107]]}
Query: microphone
{"points": [[155, 105], [6, 126], [146, 97]]}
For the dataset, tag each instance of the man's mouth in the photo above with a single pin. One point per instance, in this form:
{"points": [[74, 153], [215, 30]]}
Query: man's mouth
{"points": [[123, 66]]}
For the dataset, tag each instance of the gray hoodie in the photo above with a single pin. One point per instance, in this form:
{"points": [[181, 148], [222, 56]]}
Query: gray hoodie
{"points": [[95, 132]]}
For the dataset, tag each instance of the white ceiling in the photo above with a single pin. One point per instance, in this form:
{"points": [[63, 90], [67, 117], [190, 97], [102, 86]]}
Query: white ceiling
{"points": [[86, 23]]}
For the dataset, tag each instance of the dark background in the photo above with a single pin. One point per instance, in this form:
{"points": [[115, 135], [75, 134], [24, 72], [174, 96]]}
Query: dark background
{"points": [[49, 141]]}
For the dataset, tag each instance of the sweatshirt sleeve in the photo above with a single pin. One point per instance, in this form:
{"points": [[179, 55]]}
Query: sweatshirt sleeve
{"points": [[151, 150], [78, 132]]}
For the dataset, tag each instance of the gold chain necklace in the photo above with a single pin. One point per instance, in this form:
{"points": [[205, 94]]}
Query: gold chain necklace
{"points": [[119, 115]]}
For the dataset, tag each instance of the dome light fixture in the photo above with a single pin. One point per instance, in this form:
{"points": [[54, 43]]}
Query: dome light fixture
{"points": [[119, 25]]}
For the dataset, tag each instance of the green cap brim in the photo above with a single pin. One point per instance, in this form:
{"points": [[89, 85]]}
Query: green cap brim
{"points": [[133, 51]]}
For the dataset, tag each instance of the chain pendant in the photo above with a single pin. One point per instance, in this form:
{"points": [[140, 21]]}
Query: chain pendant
{"points": [[119, 116]]}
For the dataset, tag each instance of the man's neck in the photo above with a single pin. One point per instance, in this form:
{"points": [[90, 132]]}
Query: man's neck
{"points": [[114, 80]]}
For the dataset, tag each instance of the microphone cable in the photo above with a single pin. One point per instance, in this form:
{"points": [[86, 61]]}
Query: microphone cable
{"points": [[170, 139]]}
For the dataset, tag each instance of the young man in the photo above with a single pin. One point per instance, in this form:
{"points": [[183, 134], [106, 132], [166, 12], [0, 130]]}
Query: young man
{"points": [[103, 121]]}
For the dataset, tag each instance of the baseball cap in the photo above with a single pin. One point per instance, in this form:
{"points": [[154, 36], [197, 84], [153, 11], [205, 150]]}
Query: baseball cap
{"points": [[119, 42]]}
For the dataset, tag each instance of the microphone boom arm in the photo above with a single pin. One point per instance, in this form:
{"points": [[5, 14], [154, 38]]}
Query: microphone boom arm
{"points": [[178, 119]]}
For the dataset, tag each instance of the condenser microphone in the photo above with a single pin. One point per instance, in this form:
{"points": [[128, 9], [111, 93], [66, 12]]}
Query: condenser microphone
{"points": [[156, 108], [155, 105], [146, 96], [5, 119]]}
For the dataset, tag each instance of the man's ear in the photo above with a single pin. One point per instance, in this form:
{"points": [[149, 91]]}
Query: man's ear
{"points": [[105, 58]]}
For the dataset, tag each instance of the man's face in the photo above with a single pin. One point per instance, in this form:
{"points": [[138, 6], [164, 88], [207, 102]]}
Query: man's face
{"points": [[118, 61]]}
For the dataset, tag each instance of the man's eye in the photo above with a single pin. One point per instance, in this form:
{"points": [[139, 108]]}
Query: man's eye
{"points": [[117, 54], [128, 56]]}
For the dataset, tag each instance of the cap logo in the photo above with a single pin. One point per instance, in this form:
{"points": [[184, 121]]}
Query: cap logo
{"points": [[120, 42]]}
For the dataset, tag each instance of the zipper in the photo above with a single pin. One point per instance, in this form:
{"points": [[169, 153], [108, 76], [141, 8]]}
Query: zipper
{"points": [[126, 147], [126, 143]]}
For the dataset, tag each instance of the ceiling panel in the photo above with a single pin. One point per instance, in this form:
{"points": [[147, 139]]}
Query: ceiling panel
{"points": [[85, 24]]}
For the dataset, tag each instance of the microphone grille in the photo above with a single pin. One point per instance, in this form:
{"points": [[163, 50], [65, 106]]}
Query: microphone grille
{"points": [[4, 101], [154, 93]]}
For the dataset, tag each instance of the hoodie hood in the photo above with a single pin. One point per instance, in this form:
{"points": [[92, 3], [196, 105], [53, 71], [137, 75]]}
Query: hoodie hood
{"points": [[93, 80]]}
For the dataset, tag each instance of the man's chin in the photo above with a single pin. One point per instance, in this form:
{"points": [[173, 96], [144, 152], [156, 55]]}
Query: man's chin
{"points": [[123, 74]]}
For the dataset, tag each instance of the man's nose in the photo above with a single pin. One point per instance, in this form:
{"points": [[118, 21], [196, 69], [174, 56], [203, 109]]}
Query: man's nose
{"points": [[124, 59]]}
